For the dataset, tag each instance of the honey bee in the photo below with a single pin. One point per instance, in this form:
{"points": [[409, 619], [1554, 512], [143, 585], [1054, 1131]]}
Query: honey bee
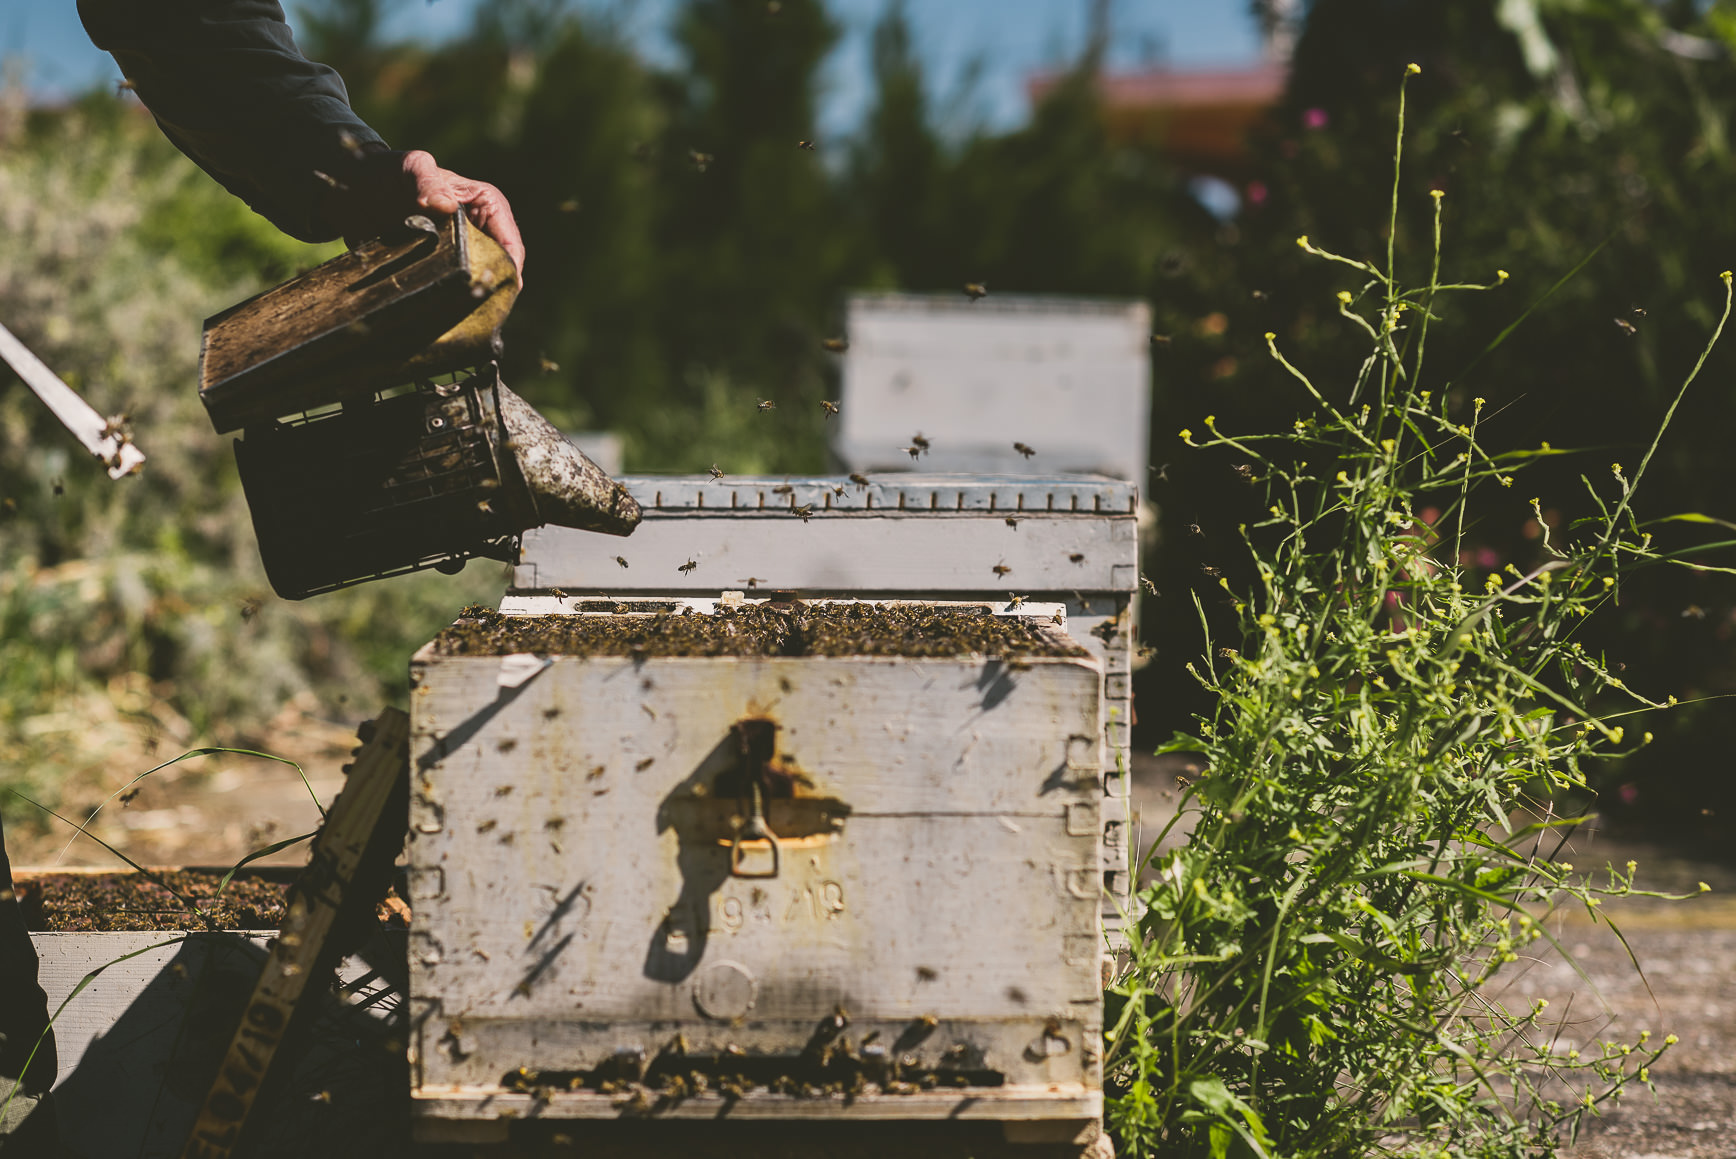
{"points": [[1145, 582], [115, 427], [860, 481], [805, 512], [1628, 329], [716, 472], [1001, 569], [351, 144], [1058, 619], [1210, 571], [1011, 522], [1015, 603], [783, 488], [975, 290], [688, 566], [808, 145], [752, 582], [1023, 450], [1160, 339], [913, 452], [549, 365], [321, 1097], [485, 507], [919, 442], [1194, 529], [1228, 653], [333, 182], [126, 798], [570, 205], [1693, 612], [700, 161], [1244, 471], [767, 404], [643, 763], [1076, 557], [250, 607], [831, 408], [836, 345], [838, 489]]}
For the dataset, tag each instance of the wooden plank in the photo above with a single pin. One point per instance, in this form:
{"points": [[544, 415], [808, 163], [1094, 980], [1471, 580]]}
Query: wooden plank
{"points": [[313, 911], [856, 553], [570, 854]]}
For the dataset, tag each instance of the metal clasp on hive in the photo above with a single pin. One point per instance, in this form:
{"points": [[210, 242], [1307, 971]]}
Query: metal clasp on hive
{"points": [[755, 829]]}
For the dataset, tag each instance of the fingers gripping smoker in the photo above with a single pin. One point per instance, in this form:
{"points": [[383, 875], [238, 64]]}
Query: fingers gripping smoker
{"points": [[378, 437]]}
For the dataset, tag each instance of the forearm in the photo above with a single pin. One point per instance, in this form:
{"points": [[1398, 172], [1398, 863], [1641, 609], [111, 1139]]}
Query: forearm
{"points": [[229, 87]]}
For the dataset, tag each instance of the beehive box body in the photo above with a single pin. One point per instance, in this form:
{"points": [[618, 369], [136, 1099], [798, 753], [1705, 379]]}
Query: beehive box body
{"points": [[939, 882]]}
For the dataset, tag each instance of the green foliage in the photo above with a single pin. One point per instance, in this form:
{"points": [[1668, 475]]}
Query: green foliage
{"points": [[134, 613], [1312, 976], [1558, 129]]}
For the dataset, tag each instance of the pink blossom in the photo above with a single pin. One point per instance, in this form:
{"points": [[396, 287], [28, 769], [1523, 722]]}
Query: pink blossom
{"points": [[1314, 118]]}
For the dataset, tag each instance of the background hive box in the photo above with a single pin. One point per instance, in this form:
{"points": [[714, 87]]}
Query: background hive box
{"points": [[935, 909]]}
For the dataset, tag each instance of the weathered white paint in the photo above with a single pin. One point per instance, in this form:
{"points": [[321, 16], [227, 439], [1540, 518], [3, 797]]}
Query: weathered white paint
{"points": [[1069, 377], [941, 859]]}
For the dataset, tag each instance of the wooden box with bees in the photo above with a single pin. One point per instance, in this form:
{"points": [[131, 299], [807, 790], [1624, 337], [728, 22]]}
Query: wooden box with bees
{"points": [[1006, 541], [829, 844]]}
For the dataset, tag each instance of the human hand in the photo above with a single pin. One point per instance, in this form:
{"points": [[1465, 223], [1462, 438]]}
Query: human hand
{"points": [[385, 185]]}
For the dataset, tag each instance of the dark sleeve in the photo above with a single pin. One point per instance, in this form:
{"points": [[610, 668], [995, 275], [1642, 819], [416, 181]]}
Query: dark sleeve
{"points": [[229, 87]]}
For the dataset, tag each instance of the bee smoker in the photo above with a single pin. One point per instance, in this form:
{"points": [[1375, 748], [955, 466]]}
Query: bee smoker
{"points": [[377, 437]]}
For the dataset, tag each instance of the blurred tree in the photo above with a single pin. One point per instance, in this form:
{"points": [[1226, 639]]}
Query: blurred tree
{"points": [[1554, 128]]}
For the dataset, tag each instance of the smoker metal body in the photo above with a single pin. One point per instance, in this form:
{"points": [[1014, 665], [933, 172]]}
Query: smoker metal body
{"points": [[1069, 539]]}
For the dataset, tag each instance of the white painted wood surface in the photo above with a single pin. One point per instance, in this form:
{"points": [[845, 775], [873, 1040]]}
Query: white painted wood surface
{"points": [[1069, 377], [570, 860], [136, 1048]]}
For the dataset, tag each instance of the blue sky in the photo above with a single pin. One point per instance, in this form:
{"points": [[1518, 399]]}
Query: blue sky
{"points": [[1010, 39]]}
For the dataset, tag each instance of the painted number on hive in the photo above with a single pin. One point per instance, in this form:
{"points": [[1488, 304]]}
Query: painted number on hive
{"points": [[819, 901]]}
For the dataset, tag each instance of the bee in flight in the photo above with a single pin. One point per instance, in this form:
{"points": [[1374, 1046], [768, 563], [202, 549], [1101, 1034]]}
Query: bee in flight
{"points": [[752, 582], [1001, 569], [913, 452], [805, 512], [716, 472], [622, 560], [1015, 603], [975, 290], [1076, 557], [836, 345], [919, 442], [767, 404], [688, 566], [860, 481], [831, 408], [808, 145], [1023, 450], [1012, 522]]}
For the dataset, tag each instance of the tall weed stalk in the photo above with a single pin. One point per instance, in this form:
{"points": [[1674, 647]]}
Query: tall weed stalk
{"points": [[1312, 972]]}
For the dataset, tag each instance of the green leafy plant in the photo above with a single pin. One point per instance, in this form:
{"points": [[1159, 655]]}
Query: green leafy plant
{"points": [[1312, 970]]}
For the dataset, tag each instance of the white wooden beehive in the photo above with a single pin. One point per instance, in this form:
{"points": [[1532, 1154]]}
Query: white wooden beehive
{"points": [[1066, 539], [585, 907]]}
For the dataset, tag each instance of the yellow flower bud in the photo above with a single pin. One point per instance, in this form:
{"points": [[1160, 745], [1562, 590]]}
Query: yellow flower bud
{"points": [[1344, 296], [1271, 336], [1186, 434], [1437, 194], [1671, 1040], [1302, 241], [1501, 275], [1412, 69]]}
